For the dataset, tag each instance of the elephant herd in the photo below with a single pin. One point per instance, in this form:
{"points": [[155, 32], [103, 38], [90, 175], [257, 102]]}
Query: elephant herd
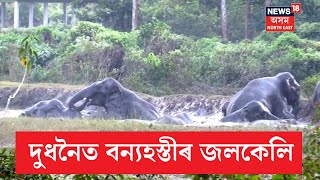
{"points": [[265, 98]]}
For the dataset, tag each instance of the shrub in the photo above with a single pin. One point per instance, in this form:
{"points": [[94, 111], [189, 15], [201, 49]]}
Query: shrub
{"points": [[309, 30], [223, 64], [290, 53], [85, 29], [309, 85], [163, 61]]}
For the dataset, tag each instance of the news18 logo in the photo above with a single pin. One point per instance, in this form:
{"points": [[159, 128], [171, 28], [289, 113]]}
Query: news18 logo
{"points": [[281, 19]]}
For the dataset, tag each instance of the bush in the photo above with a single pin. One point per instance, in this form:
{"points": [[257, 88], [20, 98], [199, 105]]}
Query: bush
{"points": [[159, 61], [309, 30], [309, 85], [85, 29], [224, 64], [290, 53]]}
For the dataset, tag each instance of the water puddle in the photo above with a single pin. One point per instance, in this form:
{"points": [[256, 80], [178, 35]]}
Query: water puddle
{"points": [[11, 113]]}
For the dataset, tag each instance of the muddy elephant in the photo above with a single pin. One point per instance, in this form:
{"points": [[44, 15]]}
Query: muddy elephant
{"points": [[274, 92], [116, 99], [252, 111], [52, 108]]}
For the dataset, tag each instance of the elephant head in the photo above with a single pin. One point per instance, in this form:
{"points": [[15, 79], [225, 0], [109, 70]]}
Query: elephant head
{"points": [[70, 113], [290, 89], [254, 110], [104, 87]]}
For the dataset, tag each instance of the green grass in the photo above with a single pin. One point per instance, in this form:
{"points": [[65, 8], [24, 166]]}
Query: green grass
{"points": [[8, 126]]}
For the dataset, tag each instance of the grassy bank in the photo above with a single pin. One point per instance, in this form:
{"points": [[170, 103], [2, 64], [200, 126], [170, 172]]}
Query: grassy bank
{"points": [[10, 125]]}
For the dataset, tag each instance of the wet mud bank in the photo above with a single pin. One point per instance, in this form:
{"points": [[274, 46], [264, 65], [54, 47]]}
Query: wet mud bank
{"points": [[198, 105], [205, 110]]}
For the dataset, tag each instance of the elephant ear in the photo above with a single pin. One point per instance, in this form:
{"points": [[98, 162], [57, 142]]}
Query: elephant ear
{"points": [[293, 91], [288, 86]]}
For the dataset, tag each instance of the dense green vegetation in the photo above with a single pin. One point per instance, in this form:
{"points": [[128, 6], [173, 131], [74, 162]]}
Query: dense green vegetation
{"points": [[178, 45], [154, 60]]}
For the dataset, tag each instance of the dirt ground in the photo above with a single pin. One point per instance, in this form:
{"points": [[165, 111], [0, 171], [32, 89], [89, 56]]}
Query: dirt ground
{"points": [[198, 104]]}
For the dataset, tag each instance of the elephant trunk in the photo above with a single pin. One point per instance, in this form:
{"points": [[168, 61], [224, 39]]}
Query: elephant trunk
{"points": [[233, 117], [85, 93], [82, 106]]}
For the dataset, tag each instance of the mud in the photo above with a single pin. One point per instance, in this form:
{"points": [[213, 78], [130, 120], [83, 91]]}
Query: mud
{"points": [[195, 104], [203, 109], [28, 97]]}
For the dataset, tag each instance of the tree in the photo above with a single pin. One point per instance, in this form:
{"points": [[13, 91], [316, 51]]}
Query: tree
{"points": [[135, 14], [27, 52], [111, 13], [247, 20], [224, 20]]}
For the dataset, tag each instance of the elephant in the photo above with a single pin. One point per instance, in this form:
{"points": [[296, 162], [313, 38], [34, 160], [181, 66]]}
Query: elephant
{"points": [[112, 101], [252, 111], [274, 92], [116, 99], [114, 110], [96, 93], [184, 117], [52, 108]]}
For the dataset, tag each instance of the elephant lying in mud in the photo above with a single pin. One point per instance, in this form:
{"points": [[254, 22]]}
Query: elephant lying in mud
{"points": [[273, 92], [52, 108], [118, 101], [252, 111]]}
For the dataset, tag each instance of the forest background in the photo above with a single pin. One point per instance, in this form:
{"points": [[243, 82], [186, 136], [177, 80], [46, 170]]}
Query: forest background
{"points": [[174, 46]]}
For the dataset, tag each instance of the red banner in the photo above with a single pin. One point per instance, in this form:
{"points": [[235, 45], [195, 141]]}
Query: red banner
{"points": [[280, 19], [280, 23], [158, 152]]}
